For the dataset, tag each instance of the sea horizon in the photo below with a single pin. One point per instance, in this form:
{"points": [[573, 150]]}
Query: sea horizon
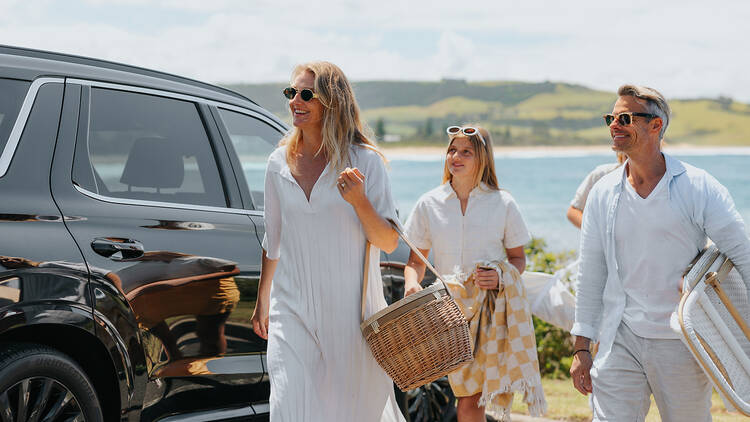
{"points": [[431, 153], [544, 182]]}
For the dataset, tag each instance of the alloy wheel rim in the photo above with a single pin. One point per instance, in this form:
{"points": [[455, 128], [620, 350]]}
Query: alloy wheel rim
{"points": [[39, 399]]}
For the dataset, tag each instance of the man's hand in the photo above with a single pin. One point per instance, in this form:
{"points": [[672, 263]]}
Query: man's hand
{"points": [[580, 371]]}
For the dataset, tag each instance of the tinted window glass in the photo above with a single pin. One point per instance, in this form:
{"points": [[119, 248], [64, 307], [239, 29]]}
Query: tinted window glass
{"points": [[147, 148], [253, 140], [12, 93]]}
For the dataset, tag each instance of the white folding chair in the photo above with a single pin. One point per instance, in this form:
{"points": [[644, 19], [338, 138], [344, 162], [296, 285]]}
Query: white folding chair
{"points": [[712, 316]]}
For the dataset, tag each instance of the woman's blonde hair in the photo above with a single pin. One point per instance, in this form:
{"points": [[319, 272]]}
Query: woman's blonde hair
{"points": [[342, 123], [485, 170]]}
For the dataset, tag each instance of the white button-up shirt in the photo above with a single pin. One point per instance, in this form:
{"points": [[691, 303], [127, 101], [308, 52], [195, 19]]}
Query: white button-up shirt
{"points": [[704, 208], [491, 223]]}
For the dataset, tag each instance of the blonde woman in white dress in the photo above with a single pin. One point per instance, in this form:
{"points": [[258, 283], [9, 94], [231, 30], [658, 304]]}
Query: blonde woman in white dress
{"points": [[326, 193]]}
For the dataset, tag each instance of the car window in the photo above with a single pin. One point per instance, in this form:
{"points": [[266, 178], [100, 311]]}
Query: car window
{"points": [[253, 140], [11, 99], [147, 147]]}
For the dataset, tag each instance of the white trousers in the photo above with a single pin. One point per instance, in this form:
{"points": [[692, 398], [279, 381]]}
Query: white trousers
{"points": [[638, 367]]}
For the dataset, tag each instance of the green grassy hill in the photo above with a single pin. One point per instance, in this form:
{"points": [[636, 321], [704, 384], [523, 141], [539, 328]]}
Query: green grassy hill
{"points": [[517, 113]]}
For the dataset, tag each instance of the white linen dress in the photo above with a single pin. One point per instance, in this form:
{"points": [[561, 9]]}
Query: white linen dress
{"points": [[320, 366]]}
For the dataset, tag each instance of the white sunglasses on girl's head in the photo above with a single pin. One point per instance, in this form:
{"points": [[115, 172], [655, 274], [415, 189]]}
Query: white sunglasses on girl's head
{"points": [[468, 131]]}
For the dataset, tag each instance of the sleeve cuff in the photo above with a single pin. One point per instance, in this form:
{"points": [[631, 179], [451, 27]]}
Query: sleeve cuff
{"points": [[519, 241], [584, 330], [417, 241], [269, 254]]}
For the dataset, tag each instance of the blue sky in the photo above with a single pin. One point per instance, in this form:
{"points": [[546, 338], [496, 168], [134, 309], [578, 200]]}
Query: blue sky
{"points": [[686, 49]]}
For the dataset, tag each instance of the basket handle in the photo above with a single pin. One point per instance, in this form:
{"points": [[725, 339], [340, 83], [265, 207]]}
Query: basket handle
{"points": [[413, 248]]}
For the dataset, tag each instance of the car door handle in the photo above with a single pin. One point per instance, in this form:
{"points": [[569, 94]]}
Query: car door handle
{"points": [[109, 246]]}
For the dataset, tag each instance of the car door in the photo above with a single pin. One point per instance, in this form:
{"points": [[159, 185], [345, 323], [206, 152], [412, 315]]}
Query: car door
{"points": [[151, 199], [250, 137]]}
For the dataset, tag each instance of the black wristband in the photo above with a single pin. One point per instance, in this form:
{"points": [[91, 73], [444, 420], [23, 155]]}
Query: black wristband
{"points": [[582, 350]]}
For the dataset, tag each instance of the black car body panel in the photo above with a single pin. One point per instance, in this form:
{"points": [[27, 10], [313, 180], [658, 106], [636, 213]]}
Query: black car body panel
{"points": [[27, 64], [156, 280]]}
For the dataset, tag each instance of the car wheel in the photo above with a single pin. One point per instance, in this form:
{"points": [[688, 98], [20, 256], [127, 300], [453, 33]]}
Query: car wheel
{"points": [[38, 383], [433, 401], [393, 284]]}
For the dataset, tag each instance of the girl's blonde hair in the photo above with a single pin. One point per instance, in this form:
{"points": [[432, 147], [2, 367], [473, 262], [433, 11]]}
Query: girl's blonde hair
{"points": [[485, 170], [342, 123]]}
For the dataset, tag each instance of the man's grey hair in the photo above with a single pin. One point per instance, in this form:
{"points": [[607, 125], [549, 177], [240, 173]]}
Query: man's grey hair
{"points": [[655, 102]]}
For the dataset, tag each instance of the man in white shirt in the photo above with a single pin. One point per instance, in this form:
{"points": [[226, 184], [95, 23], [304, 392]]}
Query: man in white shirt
{"points": [[642, 225]]}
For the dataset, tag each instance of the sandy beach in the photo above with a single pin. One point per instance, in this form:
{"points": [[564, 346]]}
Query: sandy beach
{"points": [[430, 152]]}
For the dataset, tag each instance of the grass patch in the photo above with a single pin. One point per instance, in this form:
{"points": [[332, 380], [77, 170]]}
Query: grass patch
{"points": [[564, 403]]}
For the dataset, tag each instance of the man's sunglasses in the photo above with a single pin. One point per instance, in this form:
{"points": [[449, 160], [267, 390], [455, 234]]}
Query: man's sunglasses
{"points": [[468, 131], [306, 94], [625, 118]]}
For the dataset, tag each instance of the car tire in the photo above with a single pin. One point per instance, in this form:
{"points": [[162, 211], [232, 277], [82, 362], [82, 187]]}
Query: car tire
{"points": [[40, 383], [433, 401]]}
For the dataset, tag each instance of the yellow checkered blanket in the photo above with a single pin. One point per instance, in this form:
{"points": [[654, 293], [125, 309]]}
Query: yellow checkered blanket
{"points": [[505, 358]]}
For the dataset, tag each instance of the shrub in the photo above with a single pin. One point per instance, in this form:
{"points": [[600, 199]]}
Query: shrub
{"points": [[554, 345]]}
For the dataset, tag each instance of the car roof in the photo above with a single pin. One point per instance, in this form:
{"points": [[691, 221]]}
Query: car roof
{"points": [[29, 64]]}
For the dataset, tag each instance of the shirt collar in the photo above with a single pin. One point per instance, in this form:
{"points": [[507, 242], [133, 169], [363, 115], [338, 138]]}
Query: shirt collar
{"points": [[674, 168], [447, 192]]}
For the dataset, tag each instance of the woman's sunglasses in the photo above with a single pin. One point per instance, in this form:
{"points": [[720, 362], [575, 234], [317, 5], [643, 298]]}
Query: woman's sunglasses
{"points": [[468, 131], [306, 94], [626, 118]]}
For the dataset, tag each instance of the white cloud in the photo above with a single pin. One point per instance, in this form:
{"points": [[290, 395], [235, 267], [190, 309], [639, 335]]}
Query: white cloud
{"points": [[683, 48], [455, 54]]}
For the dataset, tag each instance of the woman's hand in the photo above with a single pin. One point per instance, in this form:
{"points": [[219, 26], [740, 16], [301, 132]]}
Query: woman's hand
{"points": [[351, 185], [486, 278], [260, 320], [13, 262]]}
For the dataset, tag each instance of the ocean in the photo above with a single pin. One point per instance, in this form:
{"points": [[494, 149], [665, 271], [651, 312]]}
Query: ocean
{"points": [[543, 184]]}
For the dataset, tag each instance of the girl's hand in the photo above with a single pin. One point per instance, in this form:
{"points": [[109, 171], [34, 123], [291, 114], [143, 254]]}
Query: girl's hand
{"points": [[260, 320], [411, 288], [351, 185], [486, 278]]}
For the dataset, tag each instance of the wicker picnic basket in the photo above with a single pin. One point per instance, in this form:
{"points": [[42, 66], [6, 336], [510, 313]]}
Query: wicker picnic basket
{"points": [[713, 315], [420, 338]]}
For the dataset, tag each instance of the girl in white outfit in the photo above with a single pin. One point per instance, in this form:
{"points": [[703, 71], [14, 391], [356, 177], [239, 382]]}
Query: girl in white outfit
{"points": [[464, 221], [326, 193]]}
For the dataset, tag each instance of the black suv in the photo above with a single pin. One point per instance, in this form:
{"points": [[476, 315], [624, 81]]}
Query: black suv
{"points": [[130, 228], [130, 220]]}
